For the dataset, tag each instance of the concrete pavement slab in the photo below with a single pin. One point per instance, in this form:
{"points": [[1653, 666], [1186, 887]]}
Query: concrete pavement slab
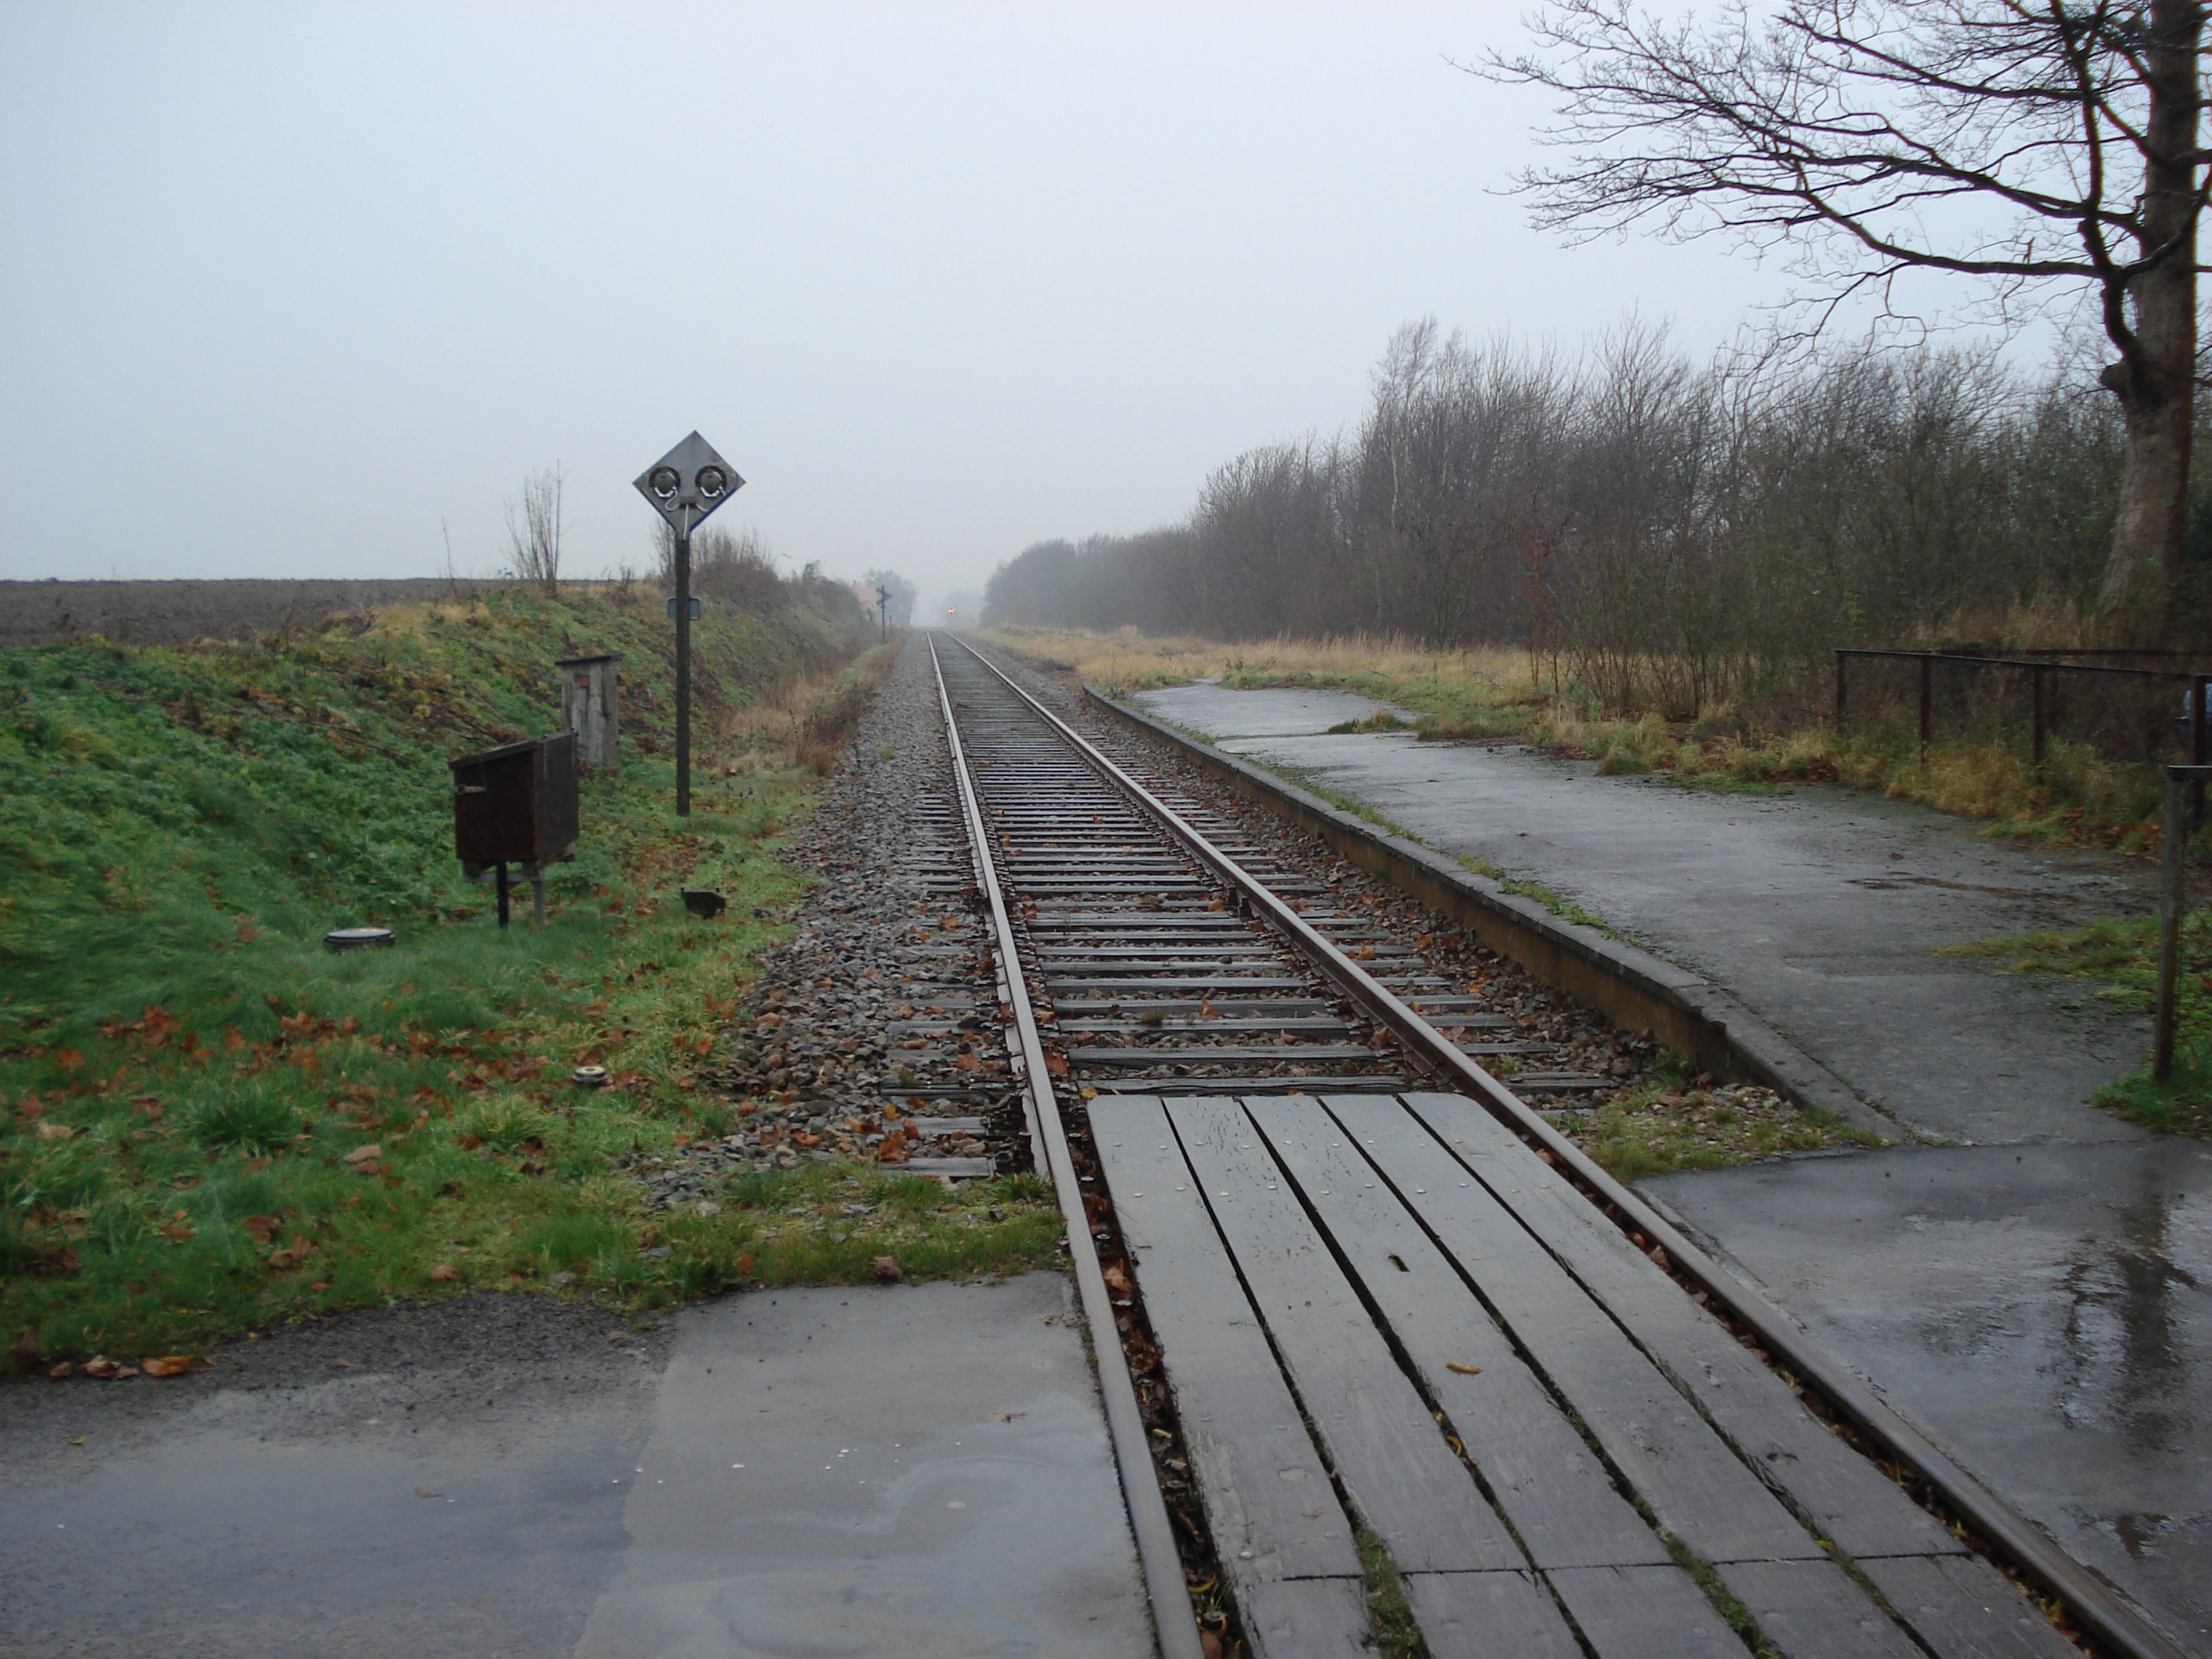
{"points": [[2045, 1312], [503, 1476], [915, 1472], [1289, 713]]}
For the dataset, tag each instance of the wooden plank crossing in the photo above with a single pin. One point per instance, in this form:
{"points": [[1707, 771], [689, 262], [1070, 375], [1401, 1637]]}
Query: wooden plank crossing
{"points": [[1384, 1311]]}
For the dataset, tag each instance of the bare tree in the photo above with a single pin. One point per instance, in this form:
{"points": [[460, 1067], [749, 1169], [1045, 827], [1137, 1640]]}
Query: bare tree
{"points": [[2027, 142], [534, 527]]}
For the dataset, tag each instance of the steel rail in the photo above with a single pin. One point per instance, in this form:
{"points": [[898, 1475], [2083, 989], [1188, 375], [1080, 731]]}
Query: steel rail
{"points": [[1172, 1619], [2119, 1628]]}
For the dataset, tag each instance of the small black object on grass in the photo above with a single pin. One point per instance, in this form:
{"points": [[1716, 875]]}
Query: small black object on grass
{"points": [[357, 939], [704, 902]]}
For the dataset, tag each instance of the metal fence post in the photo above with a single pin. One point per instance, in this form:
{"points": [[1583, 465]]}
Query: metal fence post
{"points": [[1927, 702], [2037, 721], [1843, 695], [2169, 923]]}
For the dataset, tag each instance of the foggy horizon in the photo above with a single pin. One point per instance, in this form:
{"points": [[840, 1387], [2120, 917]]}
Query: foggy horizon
{"points": [[942, 283]]}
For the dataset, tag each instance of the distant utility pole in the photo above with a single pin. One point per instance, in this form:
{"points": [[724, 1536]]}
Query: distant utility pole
{"points": [[683, 486], [883, 608]]}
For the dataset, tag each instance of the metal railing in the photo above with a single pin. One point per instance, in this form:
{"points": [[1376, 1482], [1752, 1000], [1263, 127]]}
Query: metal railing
{"points": [[2040, 678]]}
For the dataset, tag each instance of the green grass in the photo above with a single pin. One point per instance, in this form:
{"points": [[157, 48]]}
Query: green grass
{"points": [[2115, 963], [209, 1123]]}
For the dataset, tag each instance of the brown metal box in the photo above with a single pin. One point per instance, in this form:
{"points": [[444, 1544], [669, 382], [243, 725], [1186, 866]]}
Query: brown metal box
{"points": [[517, 804]]}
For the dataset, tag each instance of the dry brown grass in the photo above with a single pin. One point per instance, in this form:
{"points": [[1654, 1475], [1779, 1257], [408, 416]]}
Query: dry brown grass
{"points": [[1127, 660], [804, 722], [2077, 796]]}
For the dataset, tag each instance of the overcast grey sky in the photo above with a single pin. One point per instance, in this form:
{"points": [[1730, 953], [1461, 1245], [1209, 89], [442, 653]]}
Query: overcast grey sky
{"points": [[285, 287]]}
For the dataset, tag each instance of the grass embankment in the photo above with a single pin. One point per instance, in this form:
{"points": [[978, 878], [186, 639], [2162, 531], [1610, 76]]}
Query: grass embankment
{"points": [[2075, 797], [2116, 964], [208, 1122]]}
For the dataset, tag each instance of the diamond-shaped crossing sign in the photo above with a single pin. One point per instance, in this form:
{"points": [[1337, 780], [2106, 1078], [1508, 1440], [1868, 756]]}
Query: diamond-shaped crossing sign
{"points": [[689, 483]]}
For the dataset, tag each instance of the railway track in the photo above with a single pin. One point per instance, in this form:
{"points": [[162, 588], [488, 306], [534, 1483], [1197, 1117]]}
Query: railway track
{"points": [[1368, 1299]]}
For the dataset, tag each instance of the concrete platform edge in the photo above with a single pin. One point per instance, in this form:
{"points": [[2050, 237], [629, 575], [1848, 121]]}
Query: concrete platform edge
{"points": [[1644, 993]]}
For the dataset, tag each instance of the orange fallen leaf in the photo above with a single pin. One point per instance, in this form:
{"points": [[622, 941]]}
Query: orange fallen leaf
{"points": [[63, 1369], [1116, 1280], [168, 1365], [292, 1255], [1464, 1370], [108, 1371], [260, 1228], [178, 1232], [886, 1269], [445, 1272]]}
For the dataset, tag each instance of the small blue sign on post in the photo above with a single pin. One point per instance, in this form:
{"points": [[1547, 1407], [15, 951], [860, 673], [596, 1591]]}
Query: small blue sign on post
{"points": [[671, 609]]}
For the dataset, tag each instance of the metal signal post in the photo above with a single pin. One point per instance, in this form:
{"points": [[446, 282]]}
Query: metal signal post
{"points": [[683, 486], [883, 610]]}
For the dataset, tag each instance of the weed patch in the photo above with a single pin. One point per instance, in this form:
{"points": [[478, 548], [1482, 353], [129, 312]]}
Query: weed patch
{"points": [[2115, 963], [1667, 1126]]}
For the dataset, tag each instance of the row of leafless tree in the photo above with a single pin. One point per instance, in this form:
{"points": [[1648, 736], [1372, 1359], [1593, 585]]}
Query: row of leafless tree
{"points": [[1664, 534]]}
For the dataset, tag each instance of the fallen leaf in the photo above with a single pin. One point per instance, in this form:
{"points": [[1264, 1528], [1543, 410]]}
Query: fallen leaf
{"points": [[57, 1132], [365, 1154], [167, 1365], [69, 1060], [445, 1272], [73, 1439], [63, 1369], [886, 1269], [108, 1371], [1006, 1416], [292, 1255], [178, 1232], [1464, 1370], [261, 1229], [1116, 1280], [427, 1492]]}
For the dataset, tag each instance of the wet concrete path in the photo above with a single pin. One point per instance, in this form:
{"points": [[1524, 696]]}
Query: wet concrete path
{"points": [[2047, 1311], [2039, 1299], [925, 1471]]}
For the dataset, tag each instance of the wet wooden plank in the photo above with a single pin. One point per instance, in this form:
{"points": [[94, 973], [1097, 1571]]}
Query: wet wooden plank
{"points": [[1268, 1498], [1306, 1618], [1488, 1615], [1693, 1480], [1964, 1608], [1842, 1493], [1644, 1612], [1551, 1485], [1382, 1439], [1810, 1610]]}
